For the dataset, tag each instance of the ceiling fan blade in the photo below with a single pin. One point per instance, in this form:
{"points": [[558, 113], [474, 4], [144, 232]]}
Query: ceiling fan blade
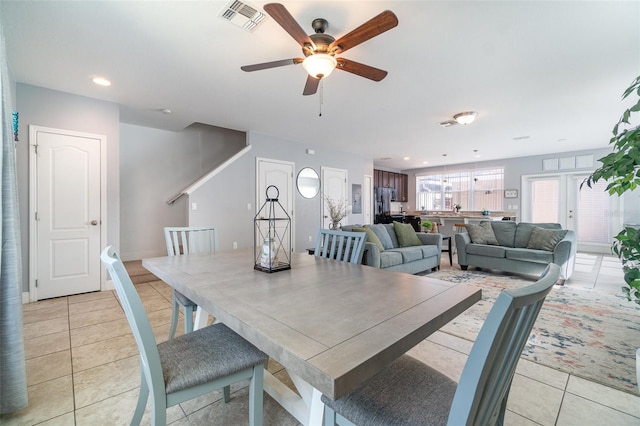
{"points": [[362, 70], [373, 27], [282, 16], [273, 64], [311, 87]]}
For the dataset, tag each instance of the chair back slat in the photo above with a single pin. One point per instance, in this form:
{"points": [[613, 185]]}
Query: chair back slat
{"points": [[190, 239], [344, 246], [485, 382], [137, 318]]}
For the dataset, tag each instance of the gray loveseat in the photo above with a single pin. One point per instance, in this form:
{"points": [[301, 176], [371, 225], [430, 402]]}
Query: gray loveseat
{"points": [[390, 253], [523, 248]]}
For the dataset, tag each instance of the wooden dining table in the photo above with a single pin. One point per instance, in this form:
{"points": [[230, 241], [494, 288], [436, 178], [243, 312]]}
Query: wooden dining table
{"points": [[331, 325]]}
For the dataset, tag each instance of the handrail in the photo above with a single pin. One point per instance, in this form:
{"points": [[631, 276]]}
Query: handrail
{"points": [[202, 180]]}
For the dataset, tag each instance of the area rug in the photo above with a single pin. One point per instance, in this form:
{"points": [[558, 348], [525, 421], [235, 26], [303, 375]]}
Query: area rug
{"points": [[590, 334]]}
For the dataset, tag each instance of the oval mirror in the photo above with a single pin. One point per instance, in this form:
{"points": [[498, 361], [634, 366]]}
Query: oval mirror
{"points": [[308, 182]]}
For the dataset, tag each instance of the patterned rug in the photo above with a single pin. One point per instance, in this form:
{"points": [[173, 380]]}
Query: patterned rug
{"points": [[590, 334]]}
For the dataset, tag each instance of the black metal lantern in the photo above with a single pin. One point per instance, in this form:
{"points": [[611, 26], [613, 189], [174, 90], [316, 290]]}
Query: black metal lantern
{"points": [[272, 235]]}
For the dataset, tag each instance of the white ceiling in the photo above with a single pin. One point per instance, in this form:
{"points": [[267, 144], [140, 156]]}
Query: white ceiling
{"points": [[549, 71]]}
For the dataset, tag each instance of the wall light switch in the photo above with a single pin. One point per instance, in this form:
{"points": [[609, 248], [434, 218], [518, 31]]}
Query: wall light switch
{"points": [[248, 206], [194, 206]]}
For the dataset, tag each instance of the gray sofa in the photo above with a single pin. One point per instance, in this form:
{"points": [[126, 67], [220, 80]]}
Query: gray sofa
{"points": [[394, 257], [523, 248]]}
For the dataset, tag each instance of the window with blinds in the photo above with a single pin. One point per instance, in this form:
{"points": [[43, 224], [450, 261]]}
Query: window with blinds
{"points": [[471, 189], [545, 199]]}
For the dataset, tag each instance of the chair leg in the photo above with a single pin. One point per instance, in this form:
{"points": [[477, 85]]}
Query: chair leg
{"points": [[329, 416], [174, 317], [256, 387], [188, 319], [142, 401]]}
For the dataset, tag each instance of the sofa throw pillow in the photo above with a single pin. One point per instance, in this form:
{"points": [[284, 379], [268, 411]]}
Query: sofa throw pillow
{"points": [[382, 235], [406, 235], [545, 239], [482, 233], [371, 237]]}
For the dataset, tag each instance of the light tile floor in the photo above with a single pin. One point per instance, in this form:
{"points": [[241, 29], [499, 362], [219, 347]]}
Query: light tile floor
{"points": [[82, 366]]}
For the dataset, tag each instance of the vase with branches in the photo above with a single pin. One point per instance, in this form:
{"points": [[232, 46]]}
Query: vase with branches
{"points": [[338, 210]]}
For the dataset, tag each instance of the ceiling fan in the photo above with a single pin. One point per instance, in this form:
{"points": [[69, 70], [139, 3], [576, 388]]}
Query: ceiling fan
{"points": [[320, 49]]}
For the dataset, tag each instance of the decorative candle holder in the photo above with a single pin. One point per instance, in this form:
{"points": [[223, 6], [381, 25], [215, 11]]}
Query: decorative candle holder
{"points": [[272, 235]]}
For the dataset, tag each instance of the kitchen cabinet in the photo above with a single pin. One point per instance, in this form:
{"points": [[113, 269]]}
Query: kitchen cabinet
{"points": [[396, 181]]}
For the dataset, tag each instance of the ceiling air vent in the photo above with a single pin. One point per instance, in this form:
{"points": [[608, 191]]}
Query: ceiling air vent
{"points": [[448, 123], [242, 15]]}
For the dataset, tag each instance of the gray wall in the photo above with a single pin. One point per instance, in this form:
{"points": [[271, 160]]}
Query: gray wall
{"points": [[515, 168], [49, 108], [223, 200], [157, 164]]}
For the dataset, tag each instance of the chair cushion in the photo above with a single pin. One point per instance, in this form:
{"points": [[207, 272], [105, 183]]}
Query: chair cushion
{"points": [[429, 251], [371, 236], [406, 235], [482, 233], [183, 300], [392, 234], [485, 250], [205, 355], [545, 239], [382, 234], [407, 392]]}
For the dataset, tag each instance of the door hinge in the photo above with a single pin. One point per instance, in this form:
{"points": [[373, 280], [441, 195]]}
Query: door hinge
{"points": [[36, 283], [35, 146], [37, 216]]}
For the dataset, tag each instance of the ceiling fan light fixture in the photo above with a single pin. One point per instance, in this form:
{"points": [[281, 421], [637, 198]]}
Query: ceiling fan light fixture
{"points": [[465, 117], [319, 65]]}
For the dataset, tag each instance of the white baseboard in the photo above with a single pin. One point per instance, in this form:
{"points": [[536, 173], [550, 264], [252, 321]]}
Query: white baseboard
{"points": [[25, 297], [108, 286]]}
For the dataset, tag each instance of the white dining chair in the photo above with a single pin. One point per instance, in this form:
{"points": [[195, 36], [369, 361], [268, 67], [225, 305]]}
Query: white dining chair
{"points": [[190, 365], [344, 246], [185, 240], [409, 392]]}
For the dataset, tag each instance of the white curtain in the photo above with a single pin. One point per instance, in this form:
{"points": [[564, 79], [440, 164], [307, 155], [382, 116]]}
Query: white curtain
{"points": [[13, 376]]}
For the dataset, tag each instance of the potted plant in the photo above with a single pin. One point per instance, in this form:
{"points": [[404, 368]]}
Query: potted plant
{"points": [[622, 169], [457, 207], [427, 225]]}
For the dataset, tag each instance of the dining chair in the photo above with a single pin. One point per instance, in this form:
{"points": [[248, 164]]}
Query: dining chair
{"points": [[185, 240], [190, 365], [408, 392], [345, 246]]}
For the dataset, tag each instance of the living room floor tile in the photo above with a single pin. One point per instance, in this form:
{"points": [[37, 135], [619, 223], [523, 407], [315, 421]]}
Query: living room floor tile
{"points": [[547, 400], [577, 411], [612, 398]]}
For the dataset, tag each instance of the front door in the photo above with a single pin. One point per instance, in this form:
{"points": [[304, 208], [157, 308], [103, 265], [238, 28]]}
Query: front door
{"points": [[66, 212]]}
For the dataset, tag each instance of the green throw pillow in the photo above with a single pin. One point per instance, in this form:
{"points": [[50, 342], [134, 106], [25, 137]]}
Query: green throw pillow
{"points": [[371, 236], [545, 239], [482, 233], [406, 235]]}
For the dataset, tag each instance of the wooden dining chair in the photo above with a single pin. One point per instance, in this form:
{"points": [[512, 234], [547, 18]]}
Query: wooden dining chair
{"points": [[344, 246], [408, 392], [190, 365], [185, 240]]}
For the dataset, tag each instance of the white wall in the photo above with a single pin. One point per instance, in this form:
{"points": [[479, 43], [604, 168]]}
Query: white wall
{"points": [[223, 200], [157, 164], [49, 108]]}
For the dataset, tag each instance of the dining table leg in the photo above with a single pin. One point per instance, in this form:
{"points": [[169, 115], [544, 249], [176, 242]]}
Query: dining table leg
{"points": [[306, 407], [202, 318]]}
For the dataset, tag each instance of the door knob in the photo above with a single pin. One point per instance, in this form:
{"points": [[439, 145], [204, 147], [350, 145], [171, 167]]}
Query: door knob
{"points": [[94, 222]]}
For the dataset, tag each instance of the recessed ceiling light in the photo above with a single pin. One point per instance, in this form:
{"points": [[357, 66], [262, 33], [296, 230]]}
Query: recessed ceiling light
{"points": [[425, 162], [165, 111], [406, 158], [101, 81]]}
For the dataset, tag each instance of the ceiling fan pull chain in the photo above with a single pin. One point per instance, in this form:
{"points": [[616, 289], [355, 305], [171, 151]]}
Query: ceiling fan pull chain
{"points": [[321, 96]]}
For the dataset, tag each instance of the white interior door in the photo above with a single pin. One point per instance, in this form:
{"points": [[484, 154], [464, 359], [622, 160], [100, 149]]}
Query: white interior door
{"points": [[334, 184], [66, 212], [280, 175]]}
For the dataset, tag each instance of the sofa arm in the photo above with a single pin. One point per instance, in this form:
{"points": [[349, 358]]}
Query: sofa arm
{"points": [[462, 239], [565, 253], [430, 239], [371, 255]]}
